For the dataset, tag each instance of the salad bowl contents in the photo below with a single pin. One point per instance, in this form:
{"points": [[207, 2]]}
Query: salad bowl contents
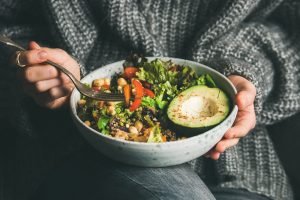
{"points": [[174, 110]]}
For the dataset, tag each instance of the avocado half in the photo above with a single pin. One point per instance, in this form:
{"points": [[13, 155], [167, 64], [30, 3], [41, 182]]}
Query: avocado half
{"points": [[198, 109]]}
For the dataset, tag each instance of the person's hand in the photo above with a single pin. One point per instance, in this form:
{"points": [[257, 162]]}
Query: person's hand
{"points": [[44, 83], [245, 120]]}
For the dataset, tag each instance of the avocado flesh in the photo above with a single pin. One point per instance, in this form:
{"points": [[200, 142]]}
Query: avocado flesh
{"points": [[199, 107]]}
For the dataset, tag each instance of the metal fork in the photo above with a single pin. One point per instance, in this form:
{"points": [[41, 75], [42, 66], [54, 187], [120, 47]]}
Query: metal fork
{"points": [[83, 89]]}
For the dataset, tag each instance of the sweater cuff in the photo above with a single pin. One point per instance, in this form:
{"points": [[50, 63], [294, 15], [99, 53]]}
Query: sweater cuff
{"points": [[82, 68]]}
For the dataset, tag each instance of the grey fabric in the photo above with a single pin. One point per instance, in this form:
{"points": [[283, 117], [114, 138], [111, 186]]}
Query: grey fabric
{"points": [[89, 175], [258, 39]]}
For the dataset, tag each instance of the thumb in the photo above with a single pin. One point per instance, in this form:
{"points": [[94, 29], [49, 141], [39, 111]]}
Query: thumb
{"points": [[246, 91], [33, 45], [244, 99]]}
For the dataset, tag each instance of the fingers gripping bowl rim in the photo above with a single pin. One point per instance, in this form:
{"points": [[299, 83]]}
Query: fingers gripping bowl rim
{"points": [[156, 154]]}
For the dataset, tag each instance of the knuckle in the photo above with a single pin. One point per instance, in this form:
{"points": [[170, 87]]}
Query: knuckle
{"points": [[28, 74], [52, 71], [39, 87], [64, 79], [244, 131], [62, 52], [29, 57], [52, 94], [221, 147], [236, 141]]}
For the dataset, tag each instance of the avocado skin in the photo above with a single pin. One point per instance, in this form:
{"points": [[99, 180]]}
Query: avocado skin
{"points": [[182, 131]]}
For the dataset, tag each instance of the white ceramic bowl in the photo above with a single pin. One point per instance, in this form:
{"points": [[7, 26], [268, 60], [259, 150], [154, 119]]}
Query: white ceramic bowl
{"points": [[155, 154]]}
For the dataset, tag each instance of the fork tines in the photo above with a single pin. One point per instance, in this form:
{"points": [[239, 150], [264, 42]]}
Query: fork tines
{"points": [[109, 96]]}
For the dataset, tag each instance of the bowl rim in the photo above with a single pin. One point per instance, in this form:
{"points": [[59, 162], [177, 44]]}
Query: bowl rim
{"points": [[112, 139]]}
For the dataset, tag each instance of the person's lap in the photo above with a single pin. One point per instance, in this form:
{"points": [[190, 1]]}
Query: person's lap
{"points": [[90, 176]]}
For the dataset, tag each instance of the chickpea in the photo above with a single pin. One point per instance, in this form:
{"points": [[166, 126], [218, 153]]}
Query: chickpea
{"points": [[138, 125], [111, 103], [88, 123], [122, 82], [106, 81], [133, 90], [95, 115], [133, 130], [120, 88], [101, 104], [121, 134], [98, 82], [81, 102], [96, 88], [140, 139], [111, 110]]}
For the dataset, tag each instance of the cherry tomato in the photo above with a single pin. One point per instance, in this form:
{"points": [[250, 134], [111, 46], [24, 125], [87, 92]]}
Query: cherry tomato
{"points": [[129, 72]]}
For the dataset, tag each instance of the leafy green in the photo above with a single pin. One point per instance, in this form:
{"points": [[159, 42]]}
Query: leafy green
{"points": [[148, 120], [148, 101], [201, 80], [102, 124], [204, 79], [210, 81], [155, 134], [157, 72], [161, 104], [165, 91], [186, 75]]}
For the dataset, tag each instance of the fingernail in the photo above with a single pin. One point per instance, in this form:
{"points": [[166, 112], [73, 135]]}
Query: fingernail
{"points": [[37, 45], [42, 55]]}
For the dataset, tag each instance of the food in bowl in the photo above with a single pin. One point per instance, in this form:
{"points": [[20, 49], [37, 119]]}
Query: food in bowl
{"points": [[164, 102]]}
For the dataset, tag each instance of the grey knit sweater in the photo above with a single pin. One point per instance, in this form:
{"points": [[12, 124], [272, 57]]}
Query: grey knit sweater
{"points": [[258, 39]]}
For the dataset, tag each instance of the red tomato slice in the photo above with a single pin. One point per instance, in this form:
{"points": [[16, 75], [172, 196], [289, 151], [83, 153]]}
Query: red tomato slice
{"points": [[135, 104], [149, 93], [138, 88]]}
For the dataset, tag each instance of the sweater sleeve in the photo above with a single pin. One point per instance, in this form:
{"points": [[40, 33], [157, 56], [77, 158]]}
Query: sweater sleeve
{"points": [[21, 21], [268, 54]]}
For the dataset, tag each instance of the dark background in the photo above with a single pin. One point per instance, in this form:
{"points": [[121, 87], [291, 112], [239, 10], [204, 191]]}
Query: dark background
{"points": [[286, 138]]}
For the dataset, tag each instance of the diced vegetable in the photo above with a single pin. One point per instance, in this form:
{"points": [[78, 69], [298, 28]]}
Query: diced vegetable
{"points": [[129, 72], [138, 88], [149, 93], [102, 122], [135, 104], [127, 93], [155, 135], [106, 87]]}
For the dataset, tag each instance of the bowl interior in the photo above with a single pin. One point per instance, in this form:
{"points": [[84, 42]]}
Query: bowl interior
{"points": [[111, 69]]}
